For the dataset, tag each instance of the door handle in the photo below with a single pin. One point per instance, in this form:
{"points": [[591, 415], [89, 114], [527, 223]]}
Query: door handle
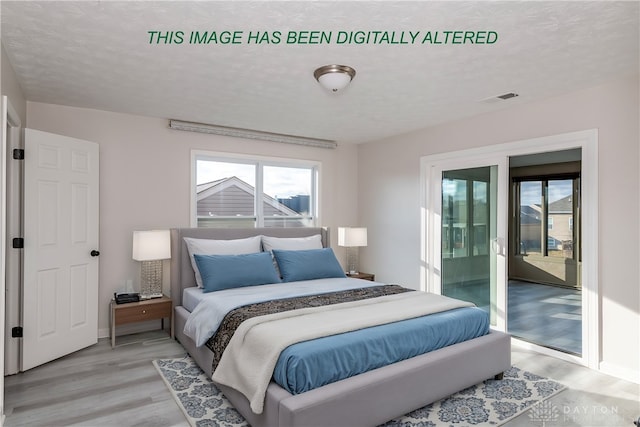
{"points": [[94, 253], [497, 246]]}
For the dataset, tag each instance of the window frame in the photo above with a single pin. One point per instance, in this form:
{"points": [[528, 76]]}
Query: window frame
{"points": [[468, 234], [259, 162], [546, 219]]}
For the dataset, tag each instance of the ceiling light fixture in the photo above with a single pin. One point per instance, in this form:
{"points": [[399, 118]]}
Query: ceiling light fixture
{"points": [[334, 77], [251, 134]]}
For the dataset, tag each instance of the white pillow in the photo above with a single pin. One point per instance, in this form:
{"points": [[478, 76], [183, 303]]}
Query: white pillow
{"points": [[292, 243], [249, 245]]}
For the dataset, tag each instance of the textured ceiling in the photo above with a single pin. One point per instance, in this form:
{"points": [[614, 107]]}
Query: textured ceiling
{"points": [[97, 55]]}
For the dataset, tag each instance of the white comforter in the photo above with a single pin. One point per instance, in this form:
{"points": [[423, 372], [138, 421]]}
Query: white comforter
{"points": [[205, 319]]}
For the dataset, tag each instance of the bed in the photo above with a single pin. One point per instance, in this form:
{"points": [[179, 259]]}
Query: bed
{"points": [[366, 399]]}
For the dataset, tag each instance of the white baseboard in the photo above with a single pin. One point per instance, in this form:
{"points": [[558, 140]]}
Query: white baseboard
{"points": [[620, 372]]}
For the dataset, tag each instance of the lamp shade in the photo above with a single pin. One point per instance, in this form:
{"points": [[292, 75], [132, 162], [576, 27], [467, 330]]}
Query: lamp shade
{"points": [[151, 245], [352, 236]]}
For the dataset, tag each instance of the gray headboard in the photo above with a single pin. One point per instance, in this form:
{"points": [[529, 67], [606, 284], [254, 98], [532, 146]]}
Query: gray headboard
{"points": [[182, 275]]}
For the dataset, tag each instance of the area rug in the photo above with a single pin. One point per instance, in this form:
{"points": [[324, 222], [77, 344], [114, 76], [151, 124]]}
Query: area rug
{"points": [[492, 402]]}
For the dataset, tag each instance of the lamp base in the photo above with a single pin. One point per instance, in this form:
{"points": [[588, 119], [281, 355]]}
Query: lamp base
{"points": [[151, 279], [352, 260]]}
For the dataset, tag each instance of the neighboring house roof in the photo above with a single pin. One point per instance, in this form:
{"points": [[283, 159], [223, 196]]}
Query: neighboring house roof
{"points": [[202, 187], [562, 206], [234, 197], [530, 214]]}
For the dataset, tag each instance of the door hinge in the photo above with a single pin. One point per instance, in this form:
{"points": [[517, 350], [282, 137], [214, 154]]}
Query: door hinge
{"points": [[16, 332], [18, 243], [18, 153]]}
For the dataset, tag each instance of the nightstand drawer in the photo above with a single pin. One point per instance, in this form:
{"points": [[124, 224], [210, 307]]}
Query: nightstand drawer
{"points": [[141, 312], [151, 309]]}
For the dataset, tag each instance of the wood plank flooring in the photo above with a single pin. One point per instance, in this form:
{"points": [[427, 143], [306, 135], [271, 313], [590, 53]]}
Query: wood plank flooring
{"points": [[591, 398], [99, 386]]}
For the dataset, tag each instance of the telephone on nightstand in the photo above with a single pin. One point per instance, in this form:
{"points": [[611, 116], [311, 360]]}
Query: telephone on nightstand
{"points": [[126, 297]]}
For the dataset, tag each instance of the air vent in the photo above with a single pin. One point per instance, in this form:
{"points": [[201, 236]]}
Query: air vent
{"points": [[498, 98]]}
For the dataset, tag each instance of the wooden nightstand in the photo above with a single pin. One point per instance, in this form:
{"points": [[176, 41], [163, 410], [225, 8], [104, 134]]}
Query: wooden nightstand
{"points": [[151, 309], [364, 276]]}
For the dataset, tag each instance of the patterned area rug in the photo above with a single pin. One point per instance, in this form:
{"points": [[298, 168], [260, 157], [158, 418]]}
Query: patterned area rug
{"points": [[492, 402]]}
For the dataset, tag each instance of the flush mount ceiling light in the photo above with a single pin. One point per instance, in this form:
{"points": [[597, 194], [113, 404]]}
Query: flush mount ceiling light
{"points": [[334, 77]]}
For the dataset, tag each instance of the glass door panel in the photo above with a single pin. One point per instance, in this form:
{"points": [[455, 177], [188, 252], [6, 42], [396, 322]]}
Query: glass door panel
{"points": [[469, 236], [531, 218], [560, 218]]}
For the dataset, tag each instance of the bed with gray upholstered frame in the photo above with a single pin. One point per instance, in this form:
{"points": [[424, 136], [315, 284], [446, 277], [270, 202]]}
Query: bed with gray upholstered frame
{"points": [[368, 399]]}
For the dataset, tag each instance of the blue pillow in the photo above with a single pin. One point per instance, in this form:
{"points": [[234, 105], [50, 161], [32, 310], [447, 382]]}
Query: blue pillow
{"points": [[234, 271], [308, 264]]}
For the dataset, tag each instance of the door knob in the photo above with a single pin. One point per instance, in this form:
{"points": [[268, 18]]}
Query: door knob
{"points": [[94, 253]]}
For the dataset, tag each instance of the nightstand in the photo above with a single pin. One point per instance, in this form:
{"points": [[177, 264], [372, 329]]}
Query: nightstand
{"points": [[364, 276], [151, 309]]}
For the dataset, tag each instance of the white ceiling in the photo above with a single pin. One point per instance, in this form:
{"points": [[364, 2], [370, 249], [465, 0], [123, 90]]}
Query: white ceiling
{"points": [[96, 54]]}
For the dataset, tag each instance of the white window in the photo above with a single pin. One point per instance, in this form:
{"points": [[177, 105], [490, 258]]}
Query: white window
{"points": [[242, 191]]}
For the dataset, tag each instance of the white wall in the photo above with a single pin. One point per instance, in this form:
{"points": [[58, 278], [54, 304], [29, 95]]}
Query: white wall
{"points": [[389, 202], [145, 179]]}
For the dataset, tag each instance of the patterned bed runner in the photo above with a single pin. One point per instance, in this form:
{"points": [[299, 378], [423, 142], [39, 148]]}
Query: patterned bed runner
{"points": [[218, 342]]}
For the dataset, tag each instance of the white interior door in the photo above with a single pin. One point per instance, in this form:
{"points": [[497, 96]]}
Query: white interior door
{"points": [[60, 291]]}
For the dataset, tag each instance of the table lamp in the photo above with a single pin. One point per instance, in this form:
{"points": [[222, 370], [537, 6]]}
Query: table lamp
{"points": [[352, 238], [151, 247]]}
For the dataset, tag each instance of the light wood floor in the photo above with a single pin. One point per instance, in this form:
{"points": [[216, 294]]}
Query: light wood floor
{"points": [[591, 398], [99, 386]]}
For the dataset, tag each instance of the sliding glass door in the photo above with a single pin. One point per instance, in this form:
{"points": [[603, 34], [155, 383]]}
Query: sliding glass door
{"points": [[466, 211], [469, 236], [468, 226]]}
